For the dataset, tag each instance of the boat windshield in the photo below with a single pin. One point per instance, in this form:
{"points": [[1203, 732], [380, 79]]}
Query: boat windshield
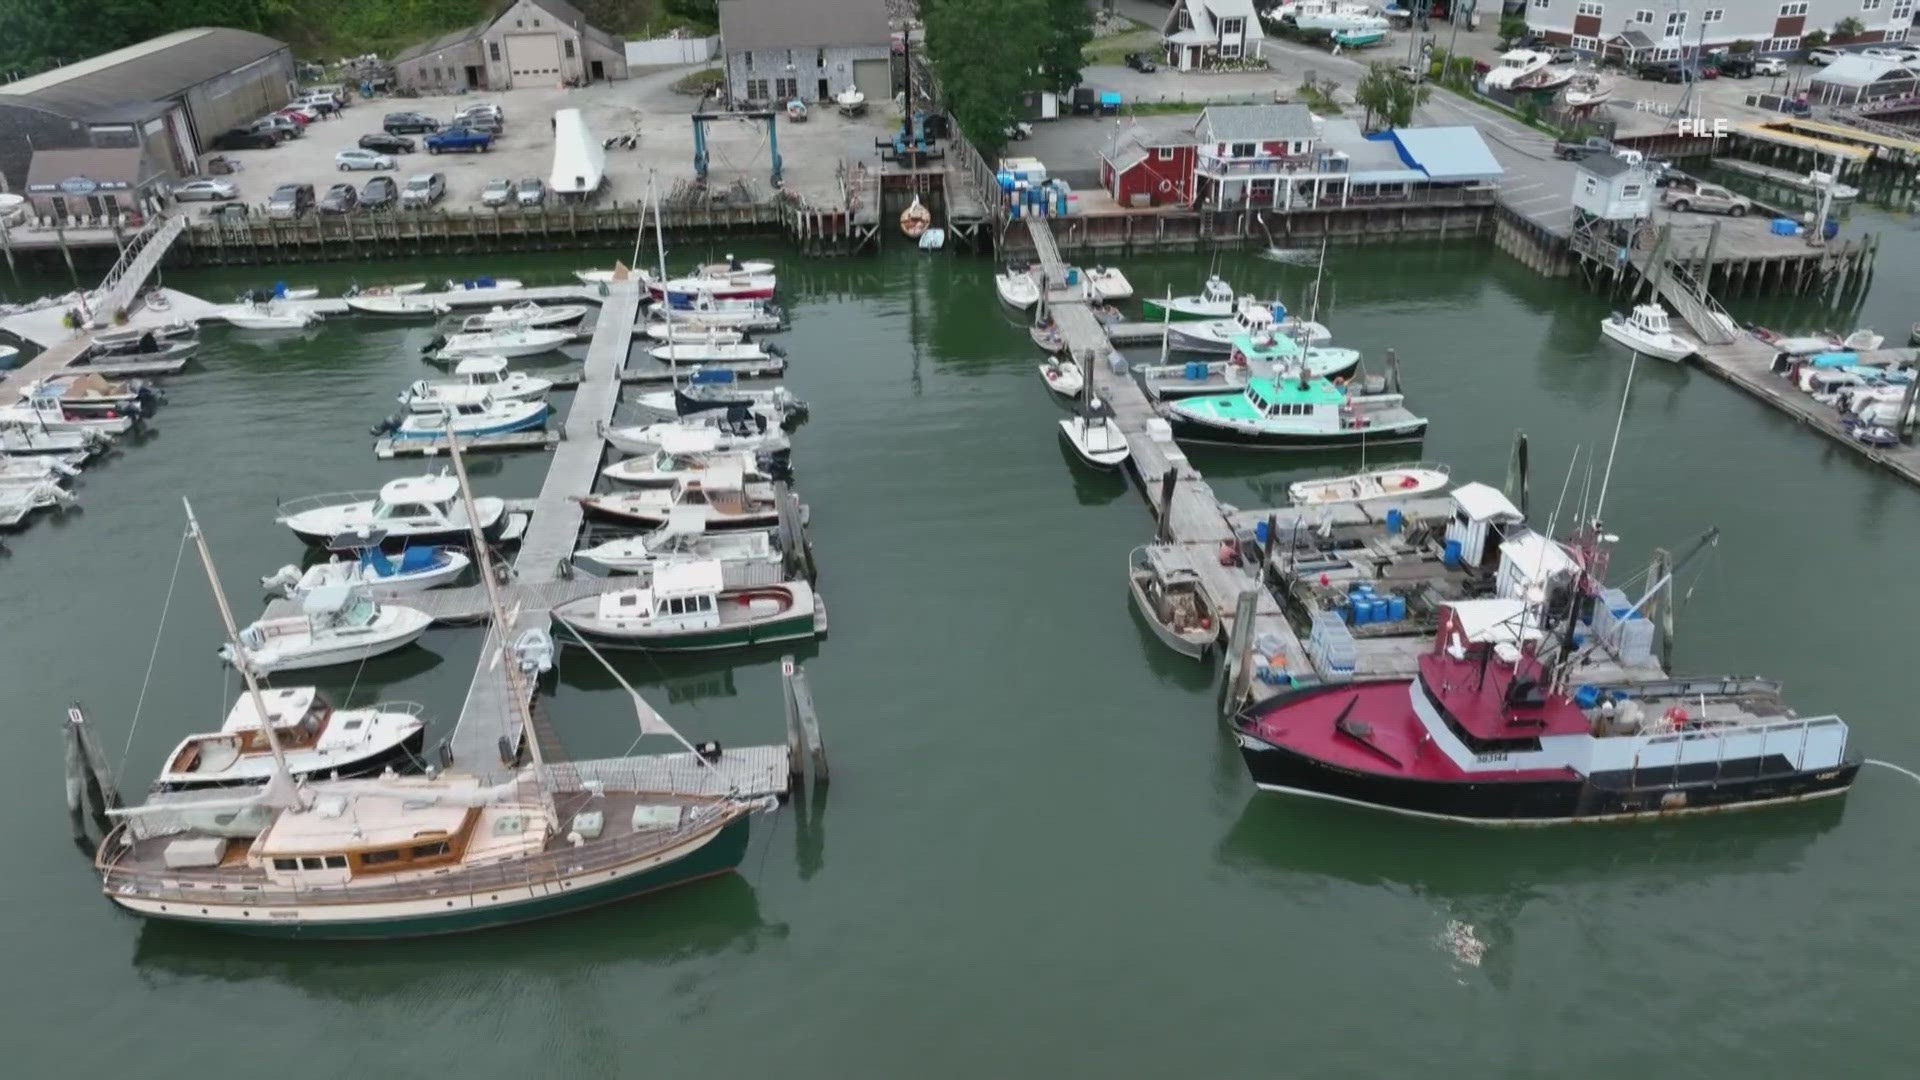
{"points": [[360, 611]]}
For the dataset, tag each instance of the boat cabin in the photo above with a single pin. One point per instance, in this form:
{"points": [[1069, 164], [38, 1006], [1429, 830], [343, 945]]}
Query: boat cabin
{"points": [[1303, 401], [1216, 291], [722, 487], [1650, 319], [379, 839], [1255, 319], [418, 500], [482, 370], [1265, 347], [1482, 516], [682, 596], [329, 607], [1532, 563]]}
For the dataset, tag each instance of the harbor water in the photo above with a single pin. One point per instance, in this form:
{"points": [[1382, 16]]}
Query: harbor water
{"points": [[1040, 854]]}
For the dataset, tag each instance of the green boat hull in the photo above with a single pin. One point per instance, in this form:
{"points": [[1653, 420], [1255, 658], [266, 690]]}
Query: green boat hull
{"points": [[721, 855]]}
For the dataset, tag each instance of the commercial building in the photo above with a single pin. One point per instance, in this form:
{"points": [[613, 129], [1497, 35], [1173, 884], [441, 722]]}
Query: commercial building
{"points": [[528, 43], [779, 50], [1658, 30], [167, 98]]}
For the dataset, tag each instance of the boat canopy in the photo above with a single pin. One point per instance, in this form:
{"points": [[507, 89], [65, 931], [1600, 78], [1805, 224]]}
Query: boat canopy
{"points": [[688, 579], [685, 521], [579, 161], [690, 440], [286, 705], [481, 365]]}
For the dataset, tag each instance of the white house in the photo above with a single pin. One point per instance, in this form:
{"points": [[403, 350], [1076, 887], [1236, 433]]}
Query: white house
{"points": [[1202, 33], [1662, 30], [1612, 189]]}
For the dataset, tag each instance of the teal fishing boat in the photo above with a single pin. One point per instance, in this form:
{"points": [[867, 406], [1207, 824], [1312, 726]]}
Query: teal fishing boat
{"points": [[1358, 39], [1294, 412], [1253, 356]]}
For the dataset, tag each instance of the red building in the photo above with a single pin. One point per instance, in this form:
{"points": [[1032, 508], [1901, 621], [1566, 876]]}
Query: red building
{"points": [[1232, 156], [1151, 168]]}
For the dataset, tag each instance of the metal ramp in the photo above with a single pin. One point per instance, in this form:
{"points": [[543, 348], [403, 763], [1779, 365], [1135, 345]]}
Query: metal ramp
{"points": [[137, 261]]}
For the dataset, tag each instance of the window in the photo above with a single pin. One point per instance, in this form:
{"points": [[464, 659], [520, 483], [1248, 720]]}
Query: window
{"points": [[377, 858], [1230, 52], [1595, 10], [336, 862], [1788, 11], [1543, 4], [1586, 44], [1643, 16], [788, 88], [433, 850], [1232, 27], [1630, 191], [747, 59], [569, 48], [353, 725], [756, 89], [493, 51], [1713, 15], [1676, 23], [286, 864], [820, 58], [1164, 153], [310, 863], [1243, 149], [675, 607], [1782, 44], [1902, 11], [706, 603]]}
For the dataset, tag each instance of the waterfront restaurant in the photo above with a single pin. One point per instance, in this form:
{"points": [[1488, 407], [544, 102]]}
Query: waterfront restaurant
{"points": [[92, 187]]}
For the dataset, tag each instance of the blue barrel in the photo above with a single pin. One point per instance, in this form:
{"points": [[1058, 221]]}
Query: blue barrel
{"points": [[1260, 532], [1197, 370], [1382, 611], [1362, 610], [1451, 556], [1073, 275], [1586, 697], [1396, 608], [1394, 521], [1785, 226]]}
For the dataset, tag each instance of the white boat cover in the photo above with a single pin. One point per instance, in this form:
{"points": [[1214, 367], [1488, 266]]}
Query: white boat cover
{"points": [[579, 161]]}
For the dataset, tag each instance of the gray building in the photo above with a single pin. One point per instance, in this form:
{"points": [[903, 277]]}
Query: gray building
{"points": [[530, 43], [169, 97], [1661, 30], [779, 50]]}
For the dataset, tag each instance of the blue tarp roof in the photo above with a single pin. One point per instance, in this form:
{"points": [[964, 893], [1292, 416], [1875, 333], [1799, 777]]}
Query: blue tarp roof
{"points": [[1448, 155]]}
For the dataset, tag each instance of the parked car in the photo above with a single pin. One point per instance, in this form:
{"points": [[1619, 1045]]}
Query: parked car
{"points": [[1574, 151], [1769, 65], [1735, 67], [497, 193], [387, 144], [339, 199], [282, 124], [299, 114], [409, 123], [1884, 53], [1560, 54], [379, 193], [482, 108], [234, 212], [323, 102], [1143, 62], [480, 122], [1909, 54], [530, 192], [1707, 198], [459, 140], [1822, 57], [353, 158], [205, 189], [423, 190], [1667, 73], [244, 139], [290, 200]]}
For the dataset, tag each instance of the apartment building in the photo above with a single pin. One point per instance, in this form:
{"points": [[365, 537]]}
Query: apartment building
{"points": [[1654, 30]]}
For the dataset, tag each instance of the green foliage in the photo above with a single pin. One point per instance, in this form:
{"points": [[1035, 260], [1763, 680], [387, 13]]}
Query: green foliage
{"points": [[1385, 93], [1317, 96], [36, 34], [1512, 29], [1849, 27], [1069, 26], [704, 12], [984, 64], [1742, 47], [1816, 39], [698, 83]]}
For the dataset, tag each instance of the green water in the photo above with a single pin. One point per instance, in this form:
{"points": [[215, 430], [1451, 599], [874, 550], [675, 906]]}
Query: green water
{"points": [[1039, 856]]}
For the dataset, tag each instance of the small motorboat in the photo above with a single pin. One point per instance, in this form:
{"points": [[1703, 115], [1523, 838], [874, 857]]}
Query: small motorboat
{"points": [[36, 468], [1587, 90], [711, 395], [414, 569], [18, 436], [702, 309], [143, 339], [1392, 482], [483, 284], [408, 288], [475, 378], [685, 456], [526, 313], [1109, 283], [153, 350], [734, 266], [317, 741], [397, 307], [721, 491], [49, 415], [687, 607], [1214, 301], [507, 342], [676, 331], [1168, 595], [280, 291], [1096, 437], [1251, 319], [267, 317], [337, 625], [1064, 377], [1047, 335], [733, 287], [701, 351], [17, 501], [1018, 287], [410, 511], [90, 394], [472, 419], [1646, 330], [1862, 341], [739, 428], [850, 102], [620, 272], [683, 539]]}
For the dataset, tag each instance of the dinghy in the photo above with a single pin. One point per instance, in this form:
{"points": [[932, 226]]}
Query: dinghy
{"points": [[687, 607], [475, 378], [317, 741], [267, 317], [1109, 283], [729, 501], [1047, 335], [412, 510], [472, 419], [336, 625], [1018, 287], [414, 569], [740, 429], [1391, 482], [1214, 301], [397, 307], [147, 339], [527, 313], [684, 539], [1168, 595], [1063, 377], [92, 395], [509, 342], [484, 284], [1096, 437], [690, 456], [1646, 330], [709, 352]]}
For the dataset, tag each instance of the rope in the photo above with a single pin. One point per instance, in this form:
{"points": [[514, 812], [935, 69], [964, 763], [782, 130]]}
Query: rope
{"points": [[1890, 765], [152, 657]]}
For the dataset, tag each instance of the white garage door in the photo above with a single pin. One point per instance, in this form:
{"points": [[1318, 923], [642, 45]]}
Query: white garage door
{"points": [[874, 78], [533, 59]]}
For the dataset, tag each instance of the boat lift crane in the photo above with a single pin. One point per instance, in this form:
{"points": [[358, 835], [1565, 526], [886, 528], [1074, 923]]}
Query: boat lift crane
{"points": [[702, 119]]}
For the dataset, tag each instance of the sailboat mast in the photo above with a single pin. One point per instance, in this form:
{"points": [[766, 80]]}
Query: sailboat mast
{"points": [[1618, 423], [241, 659], [666, 296]]}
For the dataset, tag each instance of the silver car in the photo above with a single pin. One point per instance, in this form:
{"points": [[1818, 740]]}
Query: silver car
{"points": [[205, 189], [530, 192], [497, 193], [354, 158]]}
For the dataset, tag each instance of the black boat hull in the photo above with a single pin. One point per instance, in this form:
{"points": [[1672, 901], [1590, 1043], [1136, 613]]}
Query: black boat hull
{"points": [[1187, 430], [402, 757]]}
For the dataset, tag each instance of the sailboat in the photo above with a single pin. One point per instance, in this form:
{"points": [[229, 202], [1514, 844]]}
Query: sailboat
{"points": [[1093, 433]]}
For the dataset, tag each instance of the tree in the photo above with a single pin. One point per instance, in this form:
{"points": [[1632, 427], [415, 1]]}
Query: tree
{"points": [[1069, 28], [1849, 27], [1814, 40], [1742, 47], [1391, 95], [983, 62], [1512, 29]]}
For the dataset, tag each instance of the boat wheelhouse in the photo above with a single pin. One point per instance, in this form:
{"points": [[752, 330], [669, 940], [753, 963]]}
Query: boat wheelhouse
{"points": [[1213, 301], [1295, 412]]}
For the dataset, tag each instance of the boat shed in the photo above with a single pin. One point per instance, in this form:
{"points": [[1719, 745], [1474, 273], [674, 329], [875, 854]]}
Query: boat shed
{"points": [[780, 50], [170, 96], [1612, 189], [1447, 155], [526, 43], [1480, 514], [91, 186], [1856, 80]]}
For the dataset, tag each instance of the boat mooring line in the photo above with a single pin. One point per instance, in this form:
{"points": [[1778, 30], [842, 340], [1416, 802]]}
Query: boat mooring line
{"points": [[127, 750], [1914, 776]]}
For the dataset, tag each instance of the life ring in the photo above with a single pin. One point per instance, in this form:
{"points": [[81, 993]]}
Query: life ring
{"points": [[1165, 186]]}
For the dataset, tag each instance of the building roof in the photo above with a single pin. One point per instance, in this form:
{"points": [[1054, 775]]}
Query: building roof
{"points": [[768, 24], [1634, 39], [1604, 166], [1369, 161], [1447, 154], [1142, 137], [158, 68], [1255, 123], [1481, 502], [118, 168], [571, 15], [1861, 71], [444, 41]]}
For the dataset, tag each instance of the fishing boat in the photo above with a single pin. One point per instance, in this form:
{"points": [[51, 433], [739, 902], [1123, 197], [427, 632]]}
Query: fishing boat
{"points": [[508, 342], [1295, 411], [397, 307], [1646, 330], [336, 625], [471, 419], [49, 415], [703, 309], [1063, 377], [687, 607], [526, 313], [475, 378], [267, 317], [1251, 318], [91, 394], [1214, 301], [414, 569], [1096, 437], [721, 491], [1168, 595], [684, 539], [484, 284], [1109, 283], [1390, 482], [703, 351], [1252, 358], [673, 463], [413, 510], [136, 339], [25, 435], [1017, 286], [739, 428], [317, 740]]}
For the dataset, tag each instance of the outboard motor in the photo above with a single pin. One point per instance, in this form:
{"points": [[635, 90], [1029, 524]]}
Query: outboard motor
{"points": [[282, 581], [709, 750], [439, 342], [775, 466], [390, 425], [775, 350]]}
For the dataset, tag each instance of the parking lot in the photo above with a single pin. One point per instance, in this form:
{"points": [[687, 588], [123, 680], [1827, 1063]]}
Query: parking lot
{"points": [[646, 105]]}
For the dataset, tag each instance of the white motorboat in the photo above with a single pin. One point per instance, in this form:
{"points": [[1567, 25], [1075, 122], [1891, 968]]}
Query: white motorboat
{"points": [[1064, 377], [850, 101], [36, 468], [1332, 16], [679, 332], [706, 310], [1647, 330], [1251, 318], [526, 313], [472, 419], [701, 351], [686, 455], [26, 436], [1862, 341], [729, 287], [409, 511], [93, 395], [723, 493], [267, 317], [733, 266], [280, 291], [1587, 90], [397, 307], [17, 501], [1168, 594], [688, 607], [705, 397], [475, 378], [133, 338], [1018, 287], [317, 740], [407, 288], [620, 272], [48, 415], [414, 569], [1109, 283], [1527, 70], [1096, 439], [1214, 301], [1391, 482], [508, 342], [336, 625], [484, 284], [740, 429], [683, 539]]}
